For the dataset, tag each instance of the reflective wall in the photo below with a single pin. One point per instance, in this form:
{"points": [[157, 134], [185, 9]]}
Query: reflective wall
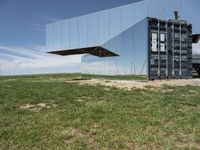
{"points": [[122, 30]]}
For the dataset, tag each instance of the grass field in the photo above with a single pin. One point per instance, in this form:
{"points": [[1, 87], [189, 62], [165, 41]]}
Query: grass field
{"points": [[74, 76], [45, 112]]}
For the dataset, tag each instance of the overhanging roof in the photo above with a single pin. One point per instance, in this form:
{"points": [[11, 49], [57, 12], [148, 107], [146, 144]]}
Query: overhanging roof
{"points": [[195, 38], [96, 51]]}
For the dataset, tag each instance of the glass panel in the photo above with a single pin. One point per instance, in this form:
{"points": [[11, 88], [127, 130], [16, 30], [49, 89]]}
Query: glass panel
{"points": [[191, 15], [65, 35], [156, 9], [93, 29], [196, 29], [127, 16], [128, 54], [103, 26], [115, 43], [57, 34], [83, 30], [49, 37], [74, 33], [115, 21], [140, 46], [141, 10], [168, 7], [122, 44]]}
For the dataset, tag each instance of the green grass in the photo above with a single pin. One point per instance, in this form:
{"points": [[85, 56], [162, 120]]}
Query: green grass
{"points": [[44, 77], [95, 117], [73, 76]]}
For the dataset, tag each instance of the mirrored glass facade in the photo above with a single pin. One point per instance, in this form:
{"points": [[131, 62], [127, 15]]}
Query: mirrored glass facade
{"points": [[122, 30]]}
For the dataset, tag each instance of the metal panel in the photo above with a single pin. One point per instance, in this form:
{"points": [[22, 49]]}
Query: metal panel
{"points": [[169, 49]]}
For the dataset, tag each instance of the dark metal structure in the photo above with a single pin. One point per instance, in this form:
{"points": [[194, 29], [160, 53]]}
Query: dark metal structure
{"points": [[169, 49], [96, 51]]}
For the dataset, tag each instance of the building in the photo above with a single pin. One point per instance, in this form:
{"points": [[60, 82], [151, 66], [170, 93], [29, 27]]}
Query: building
{"points": [[115, 41]]}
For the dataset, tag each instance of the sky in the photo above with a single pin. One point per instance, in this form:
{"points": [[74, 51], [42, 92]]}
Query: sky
{"points": [[22, 33]]}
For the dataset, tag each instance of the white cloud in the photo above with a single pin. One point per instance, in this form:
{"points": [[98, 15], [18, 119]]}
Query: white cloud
{"points": [[48, 18], [35, 58]]}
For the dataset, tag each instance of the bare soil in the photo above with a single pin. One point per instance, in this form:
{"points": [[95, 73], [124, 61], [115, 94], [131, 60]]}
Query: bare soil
{"points": [[128, 85]]}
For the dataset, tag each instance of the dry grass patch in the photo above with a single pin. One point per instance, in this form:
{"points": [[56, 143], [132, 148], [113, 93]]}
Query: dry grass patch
{"points": [[131, 85], [36, 107], [77, 135]]}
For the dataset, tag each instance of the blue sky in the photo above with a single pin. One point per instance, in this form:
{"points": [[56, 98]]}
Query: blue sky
{"points": [[22, 30]]}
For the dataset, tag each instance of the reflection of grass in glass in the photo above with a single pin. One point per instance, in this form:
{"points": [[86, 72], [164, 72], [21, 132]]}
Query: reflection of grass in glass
{"points": [[195, 75], [117, 77], [50, 113]]}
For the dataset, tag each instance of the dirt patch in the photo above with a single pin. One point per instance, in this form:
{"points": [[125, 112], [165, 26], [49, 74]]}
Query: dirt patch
{"points": [[128, 85], [27, 106], [77, 134], [36, 107], [187, 142], [95, 103], [90, 138]]}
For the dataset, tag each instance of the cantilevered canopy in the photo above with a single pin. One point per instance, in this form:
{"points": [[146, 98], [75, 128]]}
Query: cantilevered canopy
{"points": [[195, 38], [96, 51]]}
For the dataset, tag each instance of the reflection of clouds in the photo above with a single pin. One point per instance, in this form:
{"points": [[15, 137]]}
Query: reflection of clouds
{"points": [[110, 67], [196, 48], [91, 35], [100, 67], [19, 60]]}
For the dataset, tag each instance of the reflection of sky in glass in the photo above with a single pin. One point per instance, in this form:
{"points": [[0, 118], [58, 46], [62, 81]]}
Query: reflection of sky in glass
{"points": [[122, 30]]}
